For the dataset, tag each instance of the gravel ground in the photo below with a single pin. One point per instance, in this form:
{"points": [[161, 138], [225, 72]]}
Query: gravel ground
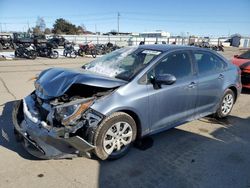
{"points": [[203, 153]]}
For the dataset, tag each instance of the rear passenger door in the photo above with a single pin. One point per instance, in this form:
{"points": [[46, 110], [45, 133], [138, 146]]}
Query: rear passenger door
{"points": [[210, 69]]}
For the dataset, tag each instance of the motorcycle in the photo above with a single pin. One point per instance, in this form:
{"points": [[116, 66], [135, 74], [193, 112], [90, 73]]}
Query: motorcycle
{"points": [[25, 51], [47, 51], [87, 49], [69, 50], [218, 48], [106, 48]]}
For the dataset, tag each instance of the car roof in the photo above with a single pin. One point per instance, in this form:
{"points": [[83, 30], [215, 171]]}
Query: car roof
{"points": [[166, 47]]}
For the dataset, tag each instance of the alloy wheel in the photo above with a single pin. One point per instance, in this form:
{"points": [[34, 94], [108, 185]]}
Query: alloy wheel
{"points": [[227, 104], [117, 138]]}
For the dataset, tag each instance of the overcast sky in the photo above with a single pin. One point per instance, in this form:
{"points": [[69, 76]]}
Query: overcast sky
{"points": [[199, 17]]}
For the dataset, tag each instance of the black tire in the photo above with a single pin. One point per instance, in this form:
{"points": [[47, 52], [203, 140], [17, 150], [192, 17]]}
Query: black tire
{"points": [[219, 113], [54, 54], [81, 53], [32, 54], [93, 53], [73, 54], [102, 129], [65, 53]]}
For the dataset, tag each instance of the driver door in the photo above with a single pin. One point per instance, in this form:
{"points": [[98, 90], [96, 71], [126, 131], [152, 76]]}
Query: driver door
{"points": [[172, 104]]}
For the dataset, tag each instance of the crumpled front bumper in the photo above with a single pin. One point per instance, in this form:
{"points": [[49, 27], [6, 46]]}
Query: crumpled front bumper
{"points": [[43, 141]]}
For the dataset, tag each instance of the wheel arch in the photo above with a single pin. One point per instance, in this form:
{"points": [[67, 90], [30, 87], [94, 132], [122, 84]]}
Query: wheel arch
{"points": [[234, 89], [137, 121]]}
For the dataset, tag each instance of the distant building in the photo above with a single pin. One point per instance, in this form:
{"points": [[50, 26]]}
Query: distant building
{"points": [[155, 34]]}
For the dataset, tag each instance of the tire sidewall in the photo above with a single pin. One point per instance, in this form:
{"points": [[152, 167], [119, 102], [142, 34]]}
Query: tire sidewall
{"points": [[219, 113], [103, 128]]}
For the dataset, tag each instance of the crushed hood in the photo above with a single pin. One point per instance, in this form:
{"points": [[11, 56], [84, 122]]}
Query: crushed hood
{"points": [[55, 82]]}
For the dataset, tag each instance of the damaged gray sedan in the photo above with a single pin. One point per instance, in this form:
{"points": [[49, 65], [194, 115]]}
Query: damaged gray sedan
{"points": [[103, 107]]}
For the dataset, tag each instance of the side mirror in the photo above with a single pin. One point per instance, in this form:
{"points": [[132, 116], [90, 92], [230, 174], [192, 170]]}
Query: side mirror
{"points": [[163, 79]]}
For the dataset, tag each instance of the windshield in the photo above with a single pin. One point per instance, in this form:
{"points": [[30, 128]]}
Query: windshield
{"points": [[245, 55], [124, 63]]}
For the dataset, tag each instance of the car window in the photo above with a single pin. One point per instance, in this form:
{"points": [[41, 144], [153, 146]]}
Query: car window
{"points": [[124, 63], [144, 57], [208, 62], [245, 55], [177, 64]]}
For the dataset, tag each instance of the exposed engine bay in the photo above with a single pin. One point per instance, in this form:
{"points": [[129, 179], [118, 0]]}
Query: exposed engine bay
{"points": [[61, 126]]}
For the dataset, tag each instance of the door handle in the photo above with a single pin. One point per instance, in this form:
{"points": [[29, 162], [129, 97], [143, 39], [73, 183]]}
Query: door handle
{"points": [[221, 77], [192, 85]]}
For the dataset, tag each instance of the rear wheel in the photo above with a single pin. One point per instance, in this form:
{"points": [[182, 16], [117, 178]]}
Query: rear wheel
{"points": [[73, 53], [114, 136], [54, 54], [226, 104]]}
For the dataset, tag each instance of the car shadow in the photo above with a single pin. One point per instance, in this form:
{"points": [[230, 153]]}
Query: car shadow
{"points": [[180, 158], [7, 137]]}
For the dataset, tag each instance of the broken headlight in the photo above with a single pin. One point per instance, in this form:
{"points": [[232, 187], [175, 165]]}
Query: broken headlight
{"points": [[69, 113]]}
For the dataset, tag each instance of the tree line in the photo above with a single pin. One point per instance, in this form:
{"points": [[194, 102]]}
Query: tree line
{"points": [[61, 26]]}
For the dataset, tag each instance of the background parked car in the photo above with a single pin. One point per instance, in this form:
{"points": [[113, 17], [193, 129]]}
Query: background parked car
{"points": [[243, 62]]}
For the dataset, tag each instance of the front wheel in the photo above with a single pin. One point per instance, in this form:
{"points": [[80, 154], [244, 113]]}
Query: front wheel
{"points": [[114, 136], [226, 104], [32, 54], [81, 53]]}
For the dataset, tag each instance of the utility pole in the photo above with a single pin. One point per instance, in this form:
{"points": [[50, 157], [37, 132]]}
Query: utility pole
{"points": [[118, 22], [28, 24]]}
